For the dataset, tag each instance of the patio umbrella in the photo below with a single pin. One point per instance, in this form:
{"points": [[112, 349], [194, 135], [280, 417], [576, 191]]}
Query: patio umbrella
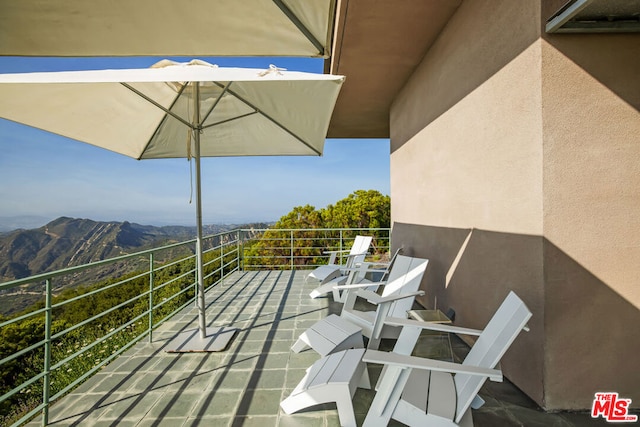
{"points": [[166, 28], [175, 110]]}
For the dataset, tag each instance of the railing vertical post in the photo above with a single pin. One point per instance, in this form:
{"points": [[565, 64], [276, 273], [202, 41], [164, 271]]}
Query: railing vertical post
{"points": [[195, 278], [239, 247], [340, 247], [221, 260], [151, 303], [291, 240], [47, 355]]}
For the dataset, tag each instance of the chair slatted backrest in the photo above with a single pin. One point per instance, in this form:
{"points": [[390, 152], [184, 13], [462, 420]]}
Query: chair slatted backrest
{"points": [[385, 275], [405, 277], [359, 249], [361, 244], [501, 331]]}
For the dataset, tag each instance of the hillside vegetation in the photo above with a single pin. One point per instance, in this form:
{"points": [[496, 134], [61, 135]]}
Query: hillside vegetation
{"points": [[360, 210]]}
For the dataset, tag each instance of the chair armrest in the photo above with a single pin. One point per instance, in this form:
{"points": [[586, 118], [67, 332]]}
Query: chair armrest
{"points": [[355, 286], [360, 267], [355, 255], [374, 298], [343, 251], [397, 321], [394, 359], [370, 263], [335, 252]]}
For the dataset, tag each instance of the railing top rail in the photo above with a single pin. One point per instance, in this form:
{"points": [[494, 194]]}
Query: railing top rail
{"points": [[75, 269], [317, 229]]}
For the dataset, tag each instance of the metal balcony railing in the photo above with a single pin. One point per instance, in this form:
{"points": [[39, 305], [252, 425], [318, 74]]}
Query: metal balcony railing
{"points": [[56, 344], [292, 249]]}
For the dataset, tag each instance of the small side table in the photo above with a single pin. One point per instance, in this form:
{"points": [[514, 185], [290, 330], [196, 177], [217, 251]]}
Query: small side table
{"points": [[437, 340], [432, 316]]}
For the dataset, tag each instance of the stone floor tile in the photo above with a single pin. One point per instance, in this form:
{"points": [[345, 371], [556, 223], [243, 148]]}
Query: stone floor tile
{"points": [[177, 405], [222, 402], [301, 420], [216, 421], [231, 380], [254, 421], [130, 406], [267, 379], [260, 402]]}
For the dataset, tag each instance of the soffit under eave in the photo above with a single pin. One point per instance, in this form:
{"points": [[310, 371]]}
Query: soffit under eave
{"points": [[377, 46], [596, 16]]}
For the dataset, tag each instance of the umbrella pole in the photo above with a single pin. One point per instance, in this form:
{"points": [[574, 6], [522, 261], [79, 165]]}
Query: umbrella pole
{"points": [[200, 264], [212, 339], [202, 322]]}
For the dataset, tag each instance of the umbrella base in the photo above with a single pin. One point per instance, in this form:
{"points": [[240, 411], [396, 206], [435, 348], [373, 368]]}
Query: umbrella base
{"points": [[217, 339]]}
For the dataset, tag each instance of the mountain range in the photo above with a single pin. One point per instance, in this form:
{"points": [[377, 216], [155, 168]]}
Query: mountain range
{"points": [[67, 242]]}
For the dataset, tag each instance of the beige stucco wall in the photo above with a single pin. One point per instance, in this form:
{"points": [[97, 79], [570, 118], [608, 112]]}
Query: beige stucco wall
{"points": [[466, 157], [591, 181], [515, 164], [478, 164]]}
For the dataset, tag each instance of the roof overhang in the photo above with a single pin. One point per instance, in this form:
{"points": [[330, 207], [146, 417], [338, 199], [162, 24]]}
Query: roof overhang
{"points": [[377, 45], [596, 16], [166, 28]]}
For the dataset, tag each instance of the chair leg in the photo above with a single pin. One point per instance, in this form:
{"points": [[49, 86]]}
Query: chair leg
{"points": [[331, 276], [345, 408], [389, 390], [374, 343], [337, 297], [293, 404], [341, 397], [365, 382], [299, 345]]}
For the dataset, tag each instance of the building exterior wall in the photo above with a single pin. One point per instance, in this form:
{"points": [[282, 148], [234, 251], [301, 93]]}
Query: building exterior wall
{"points": [[591, 182], [514, 166]]}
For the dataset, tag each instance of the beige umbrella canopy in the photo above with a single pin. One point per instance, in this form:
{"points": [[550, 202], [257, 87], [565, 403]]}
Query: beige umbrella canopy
{"points": [[176, 110], [145, 113], [166, 27]]}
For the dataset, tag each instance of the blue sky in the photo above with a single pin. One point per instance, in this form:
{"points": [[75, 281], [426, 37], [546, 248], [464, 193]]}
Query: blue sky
{"points": [[45, 175]]}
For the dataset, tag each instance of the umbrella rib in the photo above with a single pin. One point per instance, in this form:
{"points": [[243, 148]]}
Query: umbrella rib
{"points": [[268, 117], [303, 29], [229, 120], [151, 101], [206, 116]]}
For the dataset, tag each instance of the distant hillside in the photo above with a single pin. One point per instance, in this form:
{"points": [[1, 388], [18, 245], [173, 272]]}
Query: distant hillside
{"points": [[67, 242]]}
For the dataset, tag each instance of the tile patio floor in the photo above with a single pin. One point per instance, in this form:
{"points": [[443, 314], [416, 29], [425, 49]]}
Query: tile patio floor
{"points": [[244, 385]]}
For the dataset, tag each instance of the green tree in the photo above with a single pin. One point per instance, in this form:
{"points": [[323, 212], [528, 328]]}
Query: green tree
{"points": [[360, 209], [301, 217]]}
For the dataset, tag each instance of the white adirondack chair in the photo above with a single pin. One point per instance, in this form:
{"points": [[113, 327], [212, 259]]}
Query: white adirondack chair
{"points": [[420, 392], [362, 273], [396, 300], [336, 333], [356, 254]]}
